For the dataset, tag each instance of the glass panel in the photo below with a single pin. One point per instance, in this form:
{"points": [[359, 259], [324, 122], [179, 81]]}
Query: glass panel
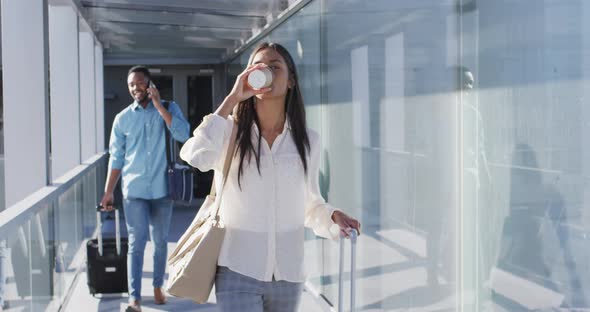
{"points": [[2, 195], [30, 267], [42, 259], [525, 120], [4, 251], [90, 183], [4, 255], [391, 137], [17, 269], [68, 238]]}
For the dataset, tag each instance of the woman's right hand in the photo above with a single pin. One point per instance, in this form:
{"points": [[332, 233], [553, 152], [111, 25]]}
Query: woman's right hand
{"points": [[241, 91]]}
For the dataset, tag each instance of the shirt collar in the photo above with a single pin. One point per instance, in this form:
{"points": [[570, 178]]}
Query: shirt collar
{"points": [[286, 126], [136, 105]]}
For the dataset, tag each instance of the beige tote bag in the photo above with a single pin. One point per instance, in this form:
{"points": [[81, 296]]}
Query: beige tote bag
{"points": [[193, 263]]}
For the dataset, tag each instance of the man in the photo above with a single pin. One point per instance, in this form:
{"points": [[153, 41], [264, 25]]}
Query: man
{"points": [[138, 154]]}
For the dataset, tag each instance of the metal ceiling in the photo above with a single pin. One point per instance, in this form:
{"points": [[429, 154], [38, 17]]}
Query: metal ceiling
{"points": [[176, 31]]}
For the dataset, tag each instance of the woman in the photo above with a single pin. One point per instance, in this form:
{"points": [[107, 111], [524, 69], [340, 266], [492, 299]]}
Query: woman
{"points": [[272, 187]]}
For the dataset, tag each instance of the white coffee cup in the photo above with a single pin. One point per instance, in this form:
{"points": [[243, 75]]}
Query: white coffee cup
{"points": [[260, 78]]}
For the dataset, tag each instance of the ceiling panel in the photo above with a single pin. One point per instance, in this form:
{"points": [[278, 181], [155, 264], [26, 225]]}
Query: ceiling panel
{"points": [[231, 7], [149, 40], [168, 30], [174, 18], [156, 29]]}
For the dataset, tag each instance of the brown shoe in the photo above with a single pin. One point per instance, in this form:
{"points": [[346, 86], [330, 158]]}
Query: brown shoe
{"points": [[159, 296], [133, 306]]}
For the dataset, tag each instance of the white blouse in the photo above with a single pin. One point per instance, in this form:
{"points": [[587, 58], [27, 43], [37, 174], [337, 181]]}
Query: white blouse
{"points": [[265, 219]]}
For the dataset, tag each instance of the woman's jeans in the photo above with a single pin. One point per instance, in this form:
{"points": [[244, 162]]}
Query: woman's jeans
{"points": [[237, 292], [146, 218]]}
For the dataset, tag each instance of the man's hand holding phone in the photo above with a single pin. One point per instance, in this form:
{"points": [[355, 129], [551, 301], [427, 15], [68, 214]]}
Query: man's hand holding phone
{"points": [[153, 92]]}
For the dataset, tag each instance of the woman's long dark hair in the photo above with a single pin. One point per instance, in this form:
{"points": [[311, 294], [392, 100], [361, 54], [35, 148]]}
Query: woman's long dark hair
{"points": [[294, 111]]}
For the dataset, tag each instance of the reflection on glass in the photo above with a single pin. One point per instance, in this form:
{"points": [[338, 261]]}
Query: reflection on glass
{"points": [[529, 200], [536, 214]]}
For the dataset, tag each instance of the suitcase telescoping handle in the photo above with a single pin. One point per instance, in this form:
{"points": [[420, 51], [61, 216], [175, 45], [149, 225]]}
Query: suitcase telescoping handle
{"points": [[353, 236], [117, 230]]}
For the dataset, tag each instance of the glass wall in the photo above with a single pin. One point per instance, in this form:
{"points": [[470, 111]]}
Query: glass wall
{"points": [[3, 248], [454, 130], [525, 120], [391, 137], [45, 252]]}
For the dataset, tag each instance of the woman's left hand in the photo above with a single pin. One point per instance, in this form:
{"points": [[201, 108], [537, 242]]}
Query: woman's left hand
{"points": [[345, 223]]}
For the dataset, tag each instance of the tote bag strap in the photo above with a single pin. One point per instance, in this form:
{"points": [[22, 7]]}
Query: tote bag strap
{"points": [[195, 227], [226, 165]]}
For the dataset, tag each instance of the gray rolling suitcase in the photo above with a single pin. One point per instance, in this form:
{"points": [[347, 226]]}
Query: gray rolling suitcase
{"points": [[353, 237]]}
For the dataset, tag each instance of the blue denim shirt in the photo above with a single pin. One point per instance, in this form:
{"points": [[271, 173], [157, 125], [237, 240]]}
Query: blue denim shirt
{"points": [[137, 147]]}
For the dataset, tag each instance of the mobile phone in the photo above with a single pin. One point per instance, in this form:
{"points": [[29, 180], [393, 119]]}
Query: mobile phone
{"points": [[150, 85]]}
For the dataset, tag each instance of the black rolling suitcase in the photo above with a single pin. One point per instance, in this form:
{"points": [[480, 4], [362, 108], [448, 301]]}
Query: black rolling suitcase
{"points": [[106, 260]]}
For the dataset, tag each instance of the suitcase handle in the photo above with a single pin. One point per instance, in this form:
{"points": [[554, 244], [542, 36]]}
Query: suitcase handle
{"points": [[117, 230], [353, 237]]}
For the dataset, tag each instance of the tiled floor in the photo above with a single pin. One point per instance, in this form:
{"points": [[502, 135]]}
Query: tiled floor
{"points": [[82, 301]]}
